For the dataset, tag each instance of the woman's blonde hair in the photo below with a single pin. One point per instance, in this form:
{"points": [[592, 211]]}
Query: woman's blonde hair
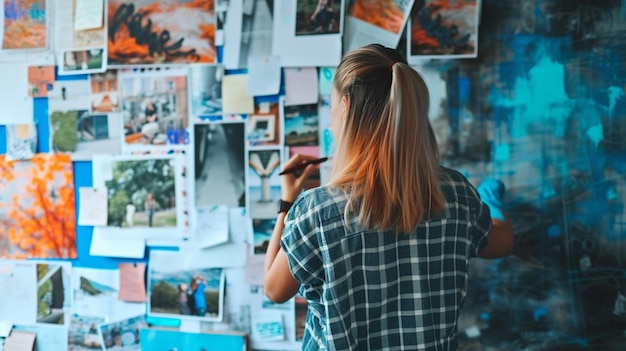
{"points": [[386, 157]]}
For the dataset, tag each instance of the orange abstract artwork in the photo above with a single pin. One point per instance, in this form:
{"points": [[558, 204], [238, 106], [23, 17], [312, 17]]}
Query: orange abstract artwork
{"points": [[24, 24], [37, 207], [384, 14], [161, 32]]}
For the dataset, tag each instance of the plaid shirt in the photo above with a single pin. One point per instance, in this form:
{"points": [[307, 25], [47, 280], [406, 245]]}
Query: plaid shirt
{"points": [[375, 290]]}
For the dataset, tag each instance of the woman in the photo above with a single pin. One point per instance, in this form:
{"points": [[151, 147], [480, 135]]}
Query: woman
{"points": [[198, 285], [381, 253]]}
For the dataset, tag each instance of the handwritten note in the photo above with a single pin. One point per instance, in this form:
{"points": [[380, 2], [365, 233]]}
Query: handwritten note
{"points": [[301, 86], [89, 14], [93, 206], [132, 287]]}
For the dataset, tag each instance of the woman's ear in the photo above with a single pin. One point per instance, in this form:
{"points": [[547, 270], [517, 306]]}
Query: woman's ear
{"points": [[344, 106]]}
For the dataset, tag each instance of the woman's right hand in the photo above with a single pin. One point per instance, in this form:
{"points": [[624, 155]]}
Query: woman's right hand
{"points": [[292, 185]]}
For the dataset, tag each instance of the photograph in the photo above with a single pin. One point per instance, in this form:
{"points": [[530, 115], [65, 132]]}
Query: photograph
{"points": [[25, 25], [84, 333], [301, 125], [21, 142], [186, 29], [263, 126], [219, 150], [123, 335], [154, 109], [82, 61], [104, 92], [256, 30], [37, 207], [83, 134], [53, 297], [205, 86], [441, 30], [262, 232], [40, 80], [142, 193], [181, 289], [318, 17], [264, 183]]}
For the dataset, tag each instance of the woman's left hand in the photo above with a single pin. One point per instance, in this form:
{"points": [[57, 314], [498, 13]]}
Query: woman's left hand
{"points": [[292, 185]]}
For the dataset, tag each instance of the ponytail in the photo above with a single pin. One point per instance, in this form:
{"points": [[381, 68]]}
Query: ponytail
{"points": [[387, 156]]}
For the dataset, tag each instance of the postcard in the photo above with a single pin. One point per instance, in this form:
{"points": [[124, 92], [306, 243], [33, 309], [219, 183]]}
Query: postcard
{"points": [[147, 32], [308, 32], [379, 22], [25, 25], [443, 30], [40, 80], [219, 166], [40, 222], [263, 182], [123, 335], [301, 125], [181, 288], [269, 312], [154, 109], [105, 95], [205, 87], [142, 194]]}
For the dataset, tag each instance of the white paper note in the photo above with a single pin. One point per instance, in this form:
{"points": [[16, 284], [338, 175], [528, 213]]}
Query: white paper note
{"points": [[89, 14], [93, 206], [212, 225], [17, 106], [263, 76], [101, 245]]}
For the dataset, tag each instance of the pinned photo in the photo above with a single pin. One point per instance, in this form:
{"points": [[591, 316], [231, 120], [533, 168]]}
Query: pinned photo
{"points": [[123, 335], [154, 109], [82, 61], [261, 234], [205, 83], [264, 183], [104, 92], [318, 17], [219, 151], [301, 125], [53, 297], [181, 289], [143, 193]]}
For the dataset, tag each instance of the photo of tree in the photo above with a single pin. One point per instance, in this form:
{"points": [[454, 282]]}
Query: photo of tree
{"points": [[142, 193], [51, 293], [37, 207]]}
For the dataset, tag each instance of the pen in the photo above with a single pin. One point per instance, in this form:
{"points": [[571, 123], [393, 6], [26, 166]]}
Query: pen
{"points": [[303, 165]]}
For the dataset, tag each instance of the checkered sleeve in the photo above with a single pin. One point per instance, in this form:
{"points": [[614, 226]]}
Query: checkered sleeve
{"points": [[481, 223], [300, 243]]}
